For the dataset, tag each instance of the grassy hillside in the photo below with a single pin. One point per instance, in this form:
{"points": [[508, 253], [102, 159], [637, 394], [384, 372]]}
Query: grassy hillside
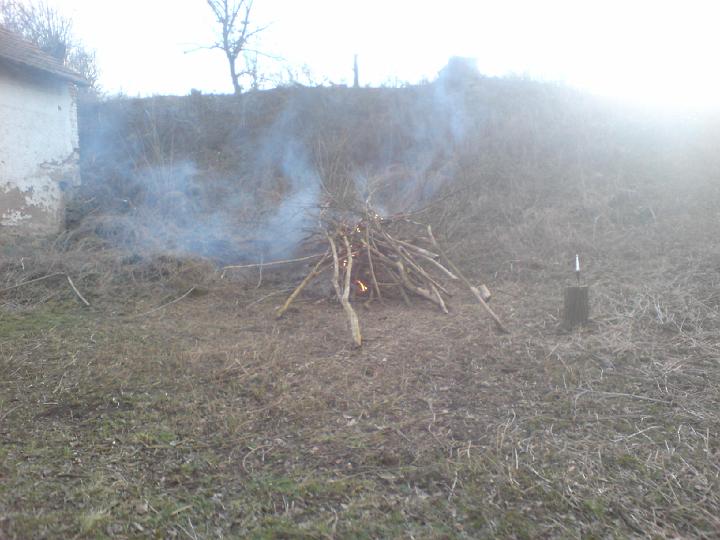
{"points": [[517, 169]]}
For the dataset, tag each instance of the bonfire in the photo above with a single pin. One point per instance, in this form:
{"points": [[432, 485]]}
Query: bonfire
{"points": [[370, 257]]}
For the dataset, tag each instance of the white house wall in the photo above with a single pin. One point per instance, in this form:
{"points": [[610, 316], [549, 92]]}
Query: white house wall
{"points": [[38, 150]]}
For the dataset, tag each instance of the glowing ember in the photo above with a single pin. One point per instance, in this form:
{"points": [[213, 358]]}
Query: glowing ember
{"points": [[361, 286]]}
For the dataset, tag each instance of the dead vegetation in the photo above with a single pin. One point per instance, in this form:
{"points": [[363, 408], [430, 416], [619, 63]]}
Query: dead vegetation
{"points": [[177, 405], [208, 417]]}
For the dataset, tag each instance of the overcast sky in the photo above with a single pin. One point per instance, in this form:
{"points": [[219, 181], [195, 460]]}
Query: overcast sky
{"points": [[662, 52]]}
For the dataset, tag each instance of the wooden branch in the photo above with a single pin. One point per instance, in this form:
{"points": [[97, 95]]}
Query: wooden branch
{"points": [[74, 288], [409, 285], [272, 263], [376, 287], [420, 270], [440, 267], [418, 249], [336, 269], [404, 295], [473, 289], [313, 273], [384, 258], [405, 255], [400, 278], [352, 316], [164, 305], [43, 278], [400, 286], [439, 299]]}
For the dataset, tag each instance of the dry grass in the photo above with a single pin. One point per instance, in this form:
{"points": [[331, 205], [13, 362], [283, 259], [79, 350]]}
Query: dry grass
{"points": [[208, 418], [159, 412]]}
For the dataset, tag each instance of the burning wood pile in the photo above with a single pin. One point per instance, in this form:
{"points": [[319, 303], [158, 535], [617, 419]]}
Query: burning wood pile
{"points": [[375, 258]]}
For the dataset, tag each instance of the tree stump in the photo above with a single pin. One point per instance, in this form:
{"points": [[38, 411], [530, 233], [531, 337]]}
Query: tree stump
{"points": [[576, 310]]}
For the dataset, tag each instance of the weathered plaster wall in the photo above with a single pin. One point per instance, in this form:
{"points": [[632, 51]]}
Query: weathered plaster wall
{"points": [[38, 150]]}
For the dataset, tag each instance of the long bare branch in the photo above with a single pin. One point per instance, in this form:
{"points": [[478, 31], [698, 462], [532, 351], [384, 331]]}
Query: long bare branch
{"points": [[313, 273]]}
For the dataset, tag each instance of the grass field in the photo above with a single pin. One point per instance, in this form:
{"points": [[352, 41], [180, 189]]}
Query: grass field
{"points": [[209, 419]]}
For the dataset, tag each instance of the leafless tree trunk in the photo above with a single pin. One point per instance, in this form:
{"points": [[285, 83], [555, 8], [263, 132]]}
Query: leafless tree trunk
{"points": [[233, 16]]}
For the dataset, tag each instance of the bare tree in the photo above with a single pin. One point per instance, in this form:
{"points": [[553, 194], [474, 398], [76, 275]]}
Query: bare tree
{"points": [[52, 32], [233, 16]]}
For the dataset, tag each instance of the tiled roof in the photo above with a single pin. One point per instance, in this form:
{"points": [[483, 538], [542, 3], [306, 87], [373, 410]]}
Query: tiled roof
{"points": [[15, 49]]}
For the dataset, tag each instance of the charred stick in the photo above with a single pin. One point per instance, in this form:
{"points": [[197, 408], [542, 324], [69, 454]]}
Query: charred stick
{"points": [[313, 273]]}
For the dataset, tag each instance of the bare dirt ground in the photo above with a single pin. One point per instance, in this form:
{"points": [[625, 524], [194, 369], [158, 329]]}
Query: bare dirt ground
{"points": [[208, 418]]}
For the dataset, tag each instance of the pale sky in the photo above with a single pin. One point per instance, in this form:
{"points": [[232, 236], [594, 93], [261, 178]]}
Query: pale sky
{"points": [[654, 52]]}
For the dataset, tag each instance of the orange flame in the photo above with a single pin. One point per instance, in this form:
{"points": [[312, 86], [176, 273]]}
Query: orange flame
{"points": [[363, 288]]}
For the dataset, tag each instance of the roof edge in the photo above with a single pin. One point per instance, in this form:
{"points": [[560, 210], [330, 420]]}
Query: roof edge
{"points": [[27, 55], [69, 76]]}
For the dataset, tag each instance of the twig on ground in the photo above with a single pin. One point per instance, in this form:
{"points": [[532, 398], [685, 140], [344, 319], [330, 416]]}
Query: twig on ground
{"points": [[56, 274], [266, 296], [43, 278], [266, 264], [74, 288], [164, 305]]}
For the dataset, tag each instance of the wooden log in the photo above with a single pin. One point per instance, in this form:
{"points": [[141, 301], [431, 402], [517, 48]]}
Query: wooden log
{"points": [[576, 306]]}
